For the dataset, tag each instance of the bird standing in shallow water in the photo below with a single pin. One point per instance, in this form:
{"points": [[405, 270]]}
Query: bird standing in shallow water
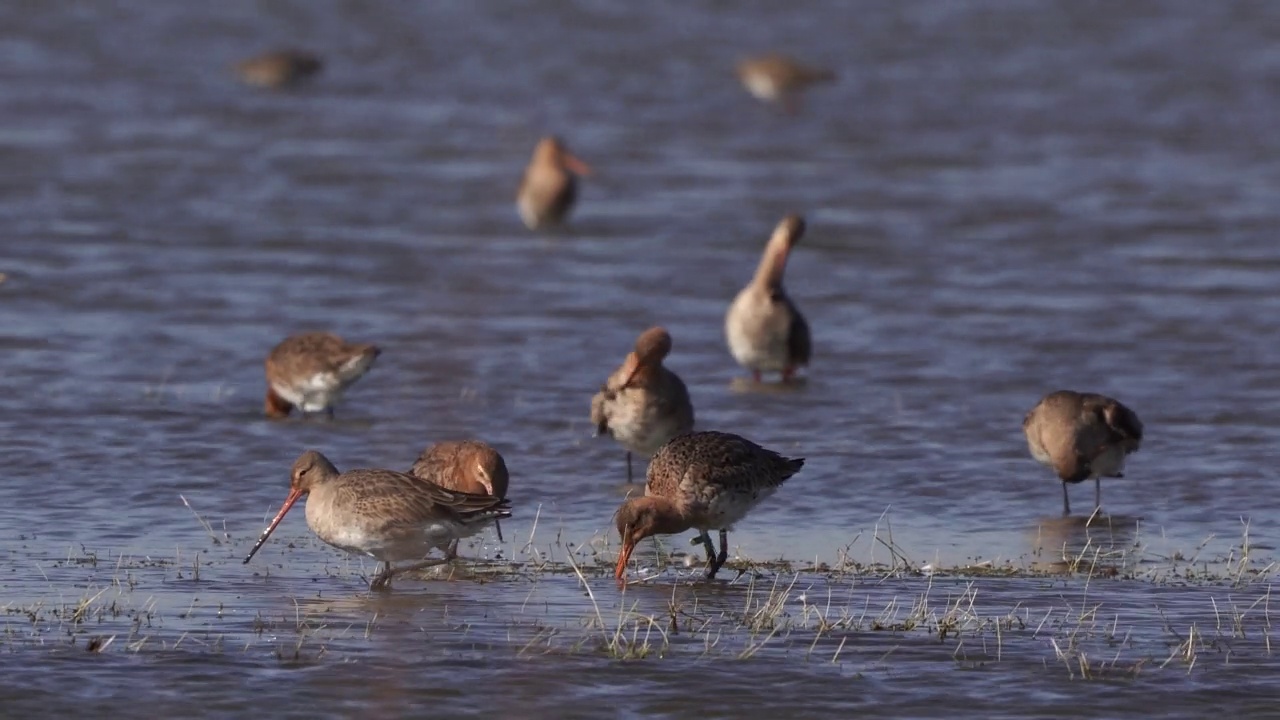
{"points": [[702, 480], [777, 78], [643, 404], [764, 329], [310, 371], [1082, 436], [278, 69], [384, 514], [550, 185], [468, 466]]}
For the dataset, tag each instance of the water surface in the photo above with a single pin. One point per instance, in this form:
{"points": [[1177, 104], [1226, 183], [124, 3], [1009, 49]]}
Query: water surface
{"points": [[1003, 198]]}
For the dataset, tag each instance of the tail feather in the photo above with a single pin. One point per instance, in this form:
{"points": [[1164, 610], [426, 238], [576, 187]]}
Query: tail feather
{"points": [[499, 510], [794, 465], [486, 515], [355, 366], [788, 467]]}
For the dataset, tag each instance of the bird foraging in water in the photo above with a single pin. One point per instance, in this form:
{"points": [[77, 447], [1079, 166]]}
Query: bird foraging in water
{"points": [[643, 404], [278, 69], [702, 480], [550, 184], [384, 514], [310, 371], [764, 329], [468, 466], [777, 78], [1082, 436]]}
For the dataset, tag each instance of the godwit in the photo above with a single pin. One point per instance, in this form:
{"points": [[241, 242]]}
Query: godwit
{"points": [[765, 330], [310, 371], [550, 185], [278, 69], [468, 466], [703, 480], [643, 404], [387, 515], [774, 78], [1082, 436]]}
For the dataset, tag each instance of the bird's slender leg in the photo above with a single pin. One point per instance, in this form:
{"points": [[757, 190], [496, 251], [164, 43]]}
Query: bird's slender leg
{"points": [[755, 375], [724, 549], [1097, 494], [711, 553], [497, 526], [628, 466], [381, 579], [451, 552], [1066, 502], [420, 565]]}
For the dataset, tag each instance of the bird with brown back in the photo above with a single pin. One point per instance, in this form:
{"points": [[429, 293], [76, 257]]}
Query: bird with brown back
{"points": [[776, 78], [704, 481], [764, 328], [643, 404], [311, 371], [1082, 436], [278, 69], [387, 515], [549, 187], [468, 466]]}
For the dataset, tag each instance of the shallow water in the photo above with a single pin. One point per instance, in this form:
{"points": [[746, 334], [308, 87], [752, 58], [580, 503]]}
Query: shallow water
{"points": [[1003, 199]]}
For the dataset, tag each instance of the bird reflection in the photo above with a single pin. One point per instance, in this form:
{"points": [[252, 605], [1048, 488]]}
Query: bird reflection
{"points": [[1096, 544]]}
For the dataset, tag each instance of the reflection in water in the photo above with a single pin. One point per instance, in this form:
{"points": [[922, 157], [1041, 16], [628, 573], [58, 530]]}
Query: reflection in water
{"points": [[1084, 544], [745, 384]]}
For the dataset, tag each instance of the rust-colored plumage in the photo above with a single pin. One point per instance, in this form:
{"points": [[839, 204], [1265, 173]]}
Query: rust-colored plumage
{"points": [[1082, 436], [764, 328], [468, 466], [550, 185], [278, 69], [702, 480], [310, 371], [643, 404], [384, 514]]}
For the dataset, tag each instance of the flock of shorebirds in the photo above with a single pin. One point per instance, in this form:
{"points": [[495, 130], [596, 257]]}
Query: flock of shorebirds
{"points": [[700, 481]]}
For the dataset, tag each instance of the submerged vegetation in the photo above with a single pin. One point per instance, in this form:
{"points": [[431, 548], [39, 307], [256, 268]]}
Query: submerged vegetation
{"points": [[1092, 608]]}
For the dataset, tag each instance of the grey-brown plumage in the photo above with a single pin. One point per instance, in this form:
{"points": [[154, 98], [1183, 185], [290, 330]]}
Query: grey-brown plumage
{"points": [[278, 69], [643, 404], [1082, 436], [764, 329], [778, 78], [387, 515], [702, 480], [468, 466], [310, 371], [549, 187]]}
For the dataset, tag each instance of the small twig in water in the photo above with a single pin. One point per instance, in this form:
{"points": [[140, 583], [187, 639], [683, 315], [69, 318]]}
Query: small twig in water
{"points": [[207, 527]]}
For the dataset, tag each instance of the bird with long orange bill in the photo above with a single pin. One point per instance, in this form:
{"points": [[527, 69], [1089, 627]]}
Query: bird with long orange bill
{"points": [[387, 515], [704, 481]]}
